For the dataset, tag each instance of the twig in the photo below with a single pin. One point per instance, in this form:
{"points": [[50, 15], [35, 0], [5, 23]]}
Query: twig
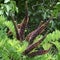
{"points": [[16, 29]]}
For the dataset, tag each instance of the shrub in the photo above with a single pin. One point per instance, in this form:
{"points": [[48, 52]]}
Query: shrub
{"points": [[23, 47]]}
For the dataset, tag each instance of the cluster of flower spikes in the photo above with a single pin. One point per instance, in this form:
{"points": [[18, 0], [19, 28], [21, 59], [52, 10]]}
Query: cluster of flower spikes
{"points": [[20, 29]]}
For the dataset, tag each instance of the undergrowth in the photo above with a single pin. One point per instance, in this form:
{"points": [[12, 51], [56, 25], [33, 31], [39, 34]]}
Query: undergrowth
{"points": [[34, 46], [12, 49]]}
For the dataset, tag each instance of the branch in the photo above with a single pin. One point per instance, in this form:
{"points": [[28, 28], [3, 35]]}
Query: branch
{"points": [[16, 29], [31, 36], [40, 52], [24, 24], [32, 46]]}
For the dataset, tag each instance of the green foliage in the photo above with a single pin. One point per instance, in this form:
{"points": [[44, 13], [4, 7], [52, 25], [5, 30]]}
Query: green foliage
{"points": [[12, 49], [8, 7], [9, 48], [52, 38], [2, 20], [2, 27], [10, 25], [40, 10], [4, 24]]}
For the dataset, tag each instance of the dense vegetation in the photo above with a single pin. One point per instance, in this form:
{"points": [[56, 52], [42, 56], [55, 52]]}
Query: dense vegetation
{"points": [[30, 30]]}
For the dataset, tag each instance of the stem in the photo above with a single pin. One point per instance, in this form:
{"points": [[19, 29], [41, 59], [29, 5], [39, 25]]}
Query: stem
{"points": [[16, 29], [32, 46], [24, 24], [31, 36]]}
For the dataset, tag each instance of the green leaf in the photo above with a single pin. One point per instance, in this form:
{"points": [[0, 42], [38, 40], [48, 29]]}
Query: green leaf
{"points": [[10, 25], [1, 12], [6, 1], [46, 46]]}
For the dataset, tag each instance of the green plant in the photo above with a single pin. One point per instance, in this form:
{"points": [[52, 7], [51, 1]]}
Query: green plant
{"points": [[31, 36], [13, 49], [7, 7], [24, 47], [40, 10]]}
